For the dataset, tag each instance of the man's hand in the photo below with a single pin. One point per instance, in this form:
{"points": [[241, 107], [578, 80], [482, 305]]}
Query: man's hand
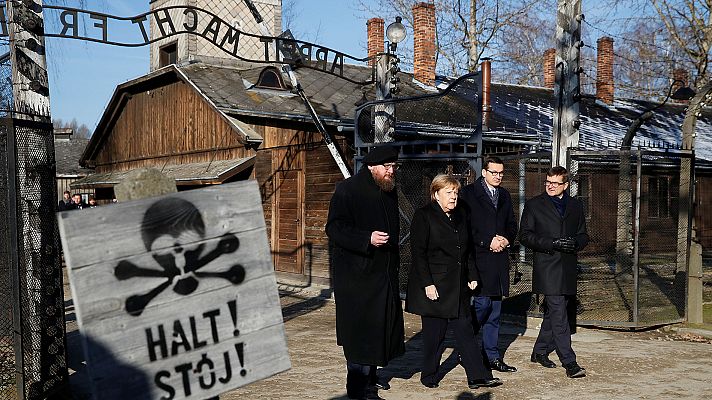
{"points": [[472, 285], [431, 292], [498, 243], [379, 238], [565, 245]]}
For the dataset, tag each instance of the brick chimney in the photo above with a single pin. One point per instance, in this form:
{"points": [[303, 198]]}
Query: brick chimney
{"points": [[424, 43], [680, 74], [549, 68], [374, 28], [604, 73], [486, 87]]}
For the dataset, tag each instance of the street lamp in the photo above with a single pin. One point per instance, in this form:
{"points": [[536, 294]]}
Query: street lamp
{"points": [[387, 83], [395, 32], [682, 93]]}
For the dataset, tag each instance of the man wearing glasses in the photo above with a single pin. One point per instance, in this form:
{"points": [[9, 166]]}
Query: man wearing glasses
{"points": [[554, 227], [363, 229], [493, 228]]}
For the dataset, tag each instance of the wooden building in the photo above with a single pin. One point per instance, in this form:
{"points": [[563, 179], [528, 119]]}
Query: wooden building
{"points": [[206, 121], [206, 124]]}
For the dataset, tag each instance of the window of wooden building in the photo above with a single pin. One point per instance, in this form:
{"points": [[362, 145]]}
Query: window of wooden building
{"points": [[168, 54], [662, 198]]}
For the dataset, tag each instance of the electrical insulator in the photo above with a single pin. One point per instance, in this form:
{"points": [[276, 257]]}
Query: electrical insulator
{"points": [[26, 13]]}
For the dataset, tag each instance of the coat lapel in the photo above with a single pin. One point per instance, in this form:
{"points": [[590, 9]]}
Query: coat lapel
{"points": [[550, 206], [483, 197]]}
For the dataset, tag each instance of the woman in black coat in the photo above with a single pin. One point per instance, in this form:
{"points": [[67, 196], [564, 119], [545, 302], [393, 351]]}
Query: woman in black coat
{"points": [[438, 282]]}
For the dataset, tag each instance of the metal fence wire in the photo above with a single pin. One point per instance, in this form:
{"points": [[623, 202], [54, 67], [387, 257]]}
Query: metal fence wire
{"points": [[633, 272], [452, 113], [5, 80], [413, 183], [32, 345]]}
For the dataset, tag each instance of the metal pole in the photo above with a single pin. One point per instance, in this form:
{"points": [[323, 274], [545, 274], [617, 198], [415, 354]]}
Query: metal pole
{"points": [[522, 200], [636, 243], [383, 113], [566, 88], [13, 233], [319, 125], [692, 256]]}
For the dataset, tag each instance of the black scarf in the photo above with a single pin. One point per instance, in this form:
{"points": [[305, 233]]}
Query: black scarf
{"points": [[560, 203]]}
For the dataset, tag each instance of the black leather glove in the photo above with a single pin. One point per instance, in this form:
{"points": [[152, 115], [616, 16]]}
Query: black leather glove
{"points": [[565, 245]]}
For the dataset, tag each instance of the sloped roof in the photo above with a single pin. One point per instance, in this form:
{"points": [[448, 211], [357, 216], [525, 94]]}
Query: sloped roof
{"points": [[518, 112], [201, 173], [528, 111], [334, 99], [67, 153]]}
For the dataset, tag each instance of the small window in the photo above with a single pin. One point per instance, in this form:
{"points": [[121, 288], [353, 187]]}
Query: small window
{"points": [[662, 197], [270, 78], [584, 194], [168, 54]]}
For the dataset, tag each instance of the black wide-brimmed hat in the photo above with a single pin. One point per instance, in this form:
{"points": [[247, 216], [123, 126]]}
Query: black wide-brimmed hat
{"points": [[381, 155]]}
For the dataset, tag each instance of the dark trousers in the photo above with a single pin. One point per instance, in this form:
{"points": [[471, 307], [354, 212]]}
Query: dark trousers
{"points": [[358, 378], [487, 311], [555, 333], [434, 330]]}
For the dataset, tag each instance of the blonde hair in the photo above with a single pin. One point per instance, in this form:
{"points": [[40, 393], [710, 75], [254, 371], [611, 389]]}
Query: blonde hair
{"points": [[442, 181]]}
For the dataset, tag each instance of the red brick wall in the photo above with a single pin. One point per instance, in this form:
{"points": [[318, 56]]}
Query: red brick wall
{"points": [[680, 74], [374, 28], [549, 68], [604, 74], [424, 43]]}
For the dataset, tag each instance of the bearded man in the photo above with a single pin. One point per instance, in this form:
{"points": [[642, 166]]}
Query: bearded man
{"points": [[363, 230]]}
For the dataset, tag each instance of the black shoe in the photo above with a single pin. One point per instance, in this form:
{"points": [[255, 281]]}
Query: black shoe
{"points": [[381, 385], [486, 382], [498, 364], [573, 370], [431, 385], [543, 359]]}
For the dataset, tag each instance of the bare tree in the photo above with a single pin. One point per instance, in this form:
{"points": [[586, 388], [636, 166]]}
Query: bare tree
{"points": [[689, 24], [467, 30], [79, 131], [522, 47], [662, 35]]}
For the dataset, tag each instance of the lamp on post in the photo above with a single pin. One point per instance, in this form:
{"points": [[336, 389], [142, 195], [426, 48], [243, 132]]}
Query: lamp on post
{"points": [[395, 32], [387, 83]]}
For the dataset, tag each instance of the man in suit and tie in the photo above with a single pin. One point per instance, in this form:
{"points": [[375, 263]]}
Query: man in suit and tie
{"points": [[493, 228]]}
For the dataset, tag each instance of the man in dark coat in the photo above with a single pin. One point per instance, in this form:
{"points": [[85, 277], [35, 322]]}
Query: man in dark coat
{"points": [[493, 229], [363, 228], [554, 226], [66, 202]]}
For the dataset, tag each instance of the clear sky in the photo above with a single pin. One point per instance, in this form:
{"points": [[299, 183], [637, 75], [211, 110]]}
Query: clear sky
{"points": [[83, 75]]}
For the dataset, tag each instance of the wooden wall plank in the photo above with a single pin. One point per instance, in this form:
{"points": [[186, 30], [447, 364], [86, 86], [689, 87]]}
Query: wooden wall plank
{"points": [[168, 125]]}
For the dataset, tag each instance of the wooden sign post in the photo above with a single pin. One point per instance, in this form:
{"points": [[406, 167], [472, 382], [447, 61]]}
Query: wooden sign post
{"points": [[175, 295]]}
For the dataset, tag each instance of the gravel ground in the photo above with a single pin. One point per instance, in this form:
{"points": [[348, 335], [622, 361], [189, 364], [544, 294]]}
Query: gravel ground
{"points": [[654, 364]]}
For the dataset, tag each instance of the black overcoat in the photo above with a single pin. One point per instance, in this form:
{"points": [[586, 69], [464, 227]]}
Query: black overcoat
{"points": [[554, 272], [439, 253], [369, 315], [486, 221]]}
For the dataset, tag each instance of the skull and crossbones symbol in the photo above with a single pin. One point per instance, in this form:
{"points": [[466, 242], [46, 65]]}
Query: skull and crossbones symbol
{"points": [[170, 229]]}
